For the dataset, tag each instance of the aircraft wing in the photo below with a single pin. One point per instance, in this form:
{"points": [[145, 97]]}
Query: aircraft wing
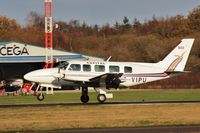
{"points": [[108, 76], [108, 79]]}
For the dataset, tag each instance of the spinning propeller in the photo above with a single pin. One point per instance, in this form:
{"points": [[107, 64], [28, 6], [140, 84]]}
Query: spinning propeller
{"points": [[60, 75]]}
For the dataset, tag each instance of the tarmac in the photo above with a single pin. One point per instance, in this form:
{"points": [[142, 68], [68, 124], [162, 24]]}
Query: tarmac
{"points": [[174, 129], [98, 104]]}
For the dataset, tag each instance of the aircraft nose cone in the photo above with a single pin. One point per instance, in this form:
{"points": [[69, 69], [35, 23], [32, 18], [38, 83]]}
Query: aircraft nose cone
{"points": [[41, 76], [28, 76]]}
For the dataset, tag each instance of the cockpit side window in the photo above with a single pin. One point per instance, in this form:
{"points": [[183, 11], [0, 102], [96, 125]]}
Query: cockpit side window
{"points": [[86, 68], [63, 65], [99, 68], [75, 67]]}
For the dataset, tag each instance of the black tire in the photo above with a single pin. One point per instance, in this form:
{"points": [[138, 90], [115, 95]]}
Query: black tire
{"points": [[85, 98], [101, 98], [40, 97]]}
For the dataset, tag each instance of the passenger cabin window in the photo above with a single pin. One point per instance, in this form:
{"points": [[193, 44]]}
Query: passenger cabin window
{"points": [[86, 68], [99, 68], [128, 69], [75, 67], [114, 69]]}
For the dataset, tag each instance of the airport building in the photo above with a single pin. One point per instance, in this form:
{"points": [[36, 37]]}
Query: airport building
{"points": [[16, 59]]}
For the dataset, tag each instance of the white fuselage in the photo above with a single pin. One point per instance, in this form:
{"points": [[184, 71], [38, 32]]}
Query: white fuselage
{"points": [[83, 71], [118, 74]]}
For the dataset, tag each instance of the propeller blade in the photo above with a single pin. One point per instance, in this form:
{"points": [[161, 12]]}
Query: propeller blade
{"points": [[59, 67]]}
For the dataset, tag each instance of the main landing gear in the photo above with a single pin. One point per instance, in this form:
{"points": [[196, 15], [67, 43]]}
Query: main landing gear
{"points": [[102, 96], [84, 98]]}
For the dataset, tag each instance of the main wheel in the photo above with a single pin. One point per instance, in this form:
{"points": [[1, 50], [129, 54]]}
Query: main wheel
{"points": [[40, 97], [85, 98], [101, 98]]}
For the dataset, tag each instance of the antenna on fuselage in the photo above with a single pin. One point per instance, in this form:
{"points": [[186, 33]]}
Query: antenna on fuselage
{"points": [[108, 59]]}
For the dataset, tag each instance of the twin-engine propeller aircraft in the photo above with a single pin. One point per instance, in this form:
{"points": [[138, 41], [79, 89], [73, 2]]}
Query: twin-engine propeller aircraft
{"points": [[106, 74]]}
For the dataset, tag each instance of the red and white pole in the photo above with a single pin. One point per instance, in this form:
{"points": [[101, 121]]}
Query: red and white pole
{"points": [[48, 33]]}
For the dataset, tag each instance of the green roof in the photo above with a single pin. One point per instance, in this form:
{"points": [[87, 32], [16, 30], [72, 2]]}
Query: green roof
{"points": [[4, 43]]}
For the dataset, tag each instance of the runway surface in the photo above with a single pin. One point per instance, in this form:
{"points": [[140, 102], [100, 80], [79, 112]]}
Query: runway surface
{"points": [[175, 129], [98, 104]]}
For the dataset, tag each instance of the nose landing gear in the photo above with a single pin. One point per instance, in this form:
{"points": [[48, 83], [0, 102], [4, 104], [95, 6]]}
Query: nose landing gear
{"points": [[40, 97]]}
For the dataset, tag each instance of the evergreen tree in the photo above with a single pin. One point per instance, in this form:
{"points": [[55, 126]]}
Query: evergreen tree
{"points": [[126, 22]]}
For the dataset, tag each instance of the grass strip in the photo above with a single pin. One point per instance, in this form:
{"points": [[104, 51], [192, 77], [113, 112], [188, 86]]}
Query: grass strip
{"points": [[60, 118]]}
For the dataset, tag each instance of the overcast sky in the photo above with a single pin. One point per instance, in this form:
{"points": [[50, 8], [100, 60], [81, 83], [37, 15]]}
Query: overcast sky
{"points": [[98, 11]]}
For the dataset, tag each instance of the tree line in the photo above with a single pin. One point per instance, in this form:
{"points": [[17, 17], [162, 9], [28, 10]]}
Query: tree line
{"points": [[128, 40]]}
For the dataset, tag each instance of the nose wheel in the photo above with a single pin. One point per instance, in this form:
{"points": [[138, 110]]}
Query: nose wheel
{"points": [[40, 97], [84, 98]]}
